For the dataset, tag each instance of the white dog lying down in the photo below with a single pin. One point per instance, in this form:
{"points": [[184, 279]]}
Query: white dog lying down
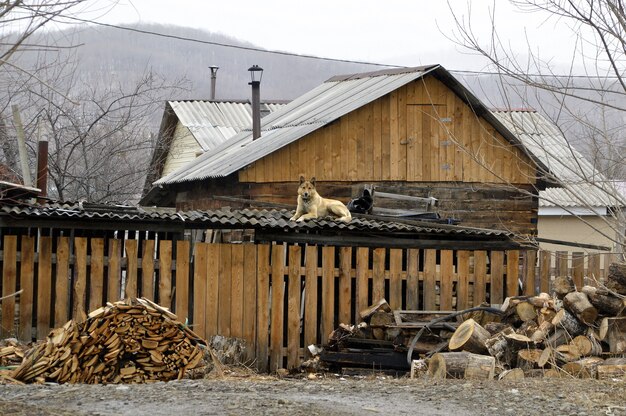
{"points": [[312, 205]]}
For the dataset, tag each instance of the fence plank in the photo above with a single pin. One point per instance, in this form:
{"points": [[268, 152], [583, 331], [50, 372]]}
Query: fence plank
{"points": [[44, 287], [62, 282], [310, 295], [114, 271], [211, 281], [530, 260], [362, 280], [496, 296], [378, 275], [578, 268], [224, 284], [165, 273], [463, 272], [147, 269], [512, 272], [293, 309], [544, 271], [236, 291], [80, 278], [131, 269], [345, 284], [430, 276], [412, 279], [96, 277], [200, 301], [480, 277], [395, 278], [445, 280], [27, 269], [182, 280], [328, 292], [277, 311], [593, 268], [561, 264], [9, 285], [249, 298], [263, 306]]}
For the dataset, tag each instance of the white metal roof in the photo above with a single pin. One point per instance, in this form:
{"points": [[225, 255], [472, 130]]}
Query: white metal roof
{"points": [[581, 184]]}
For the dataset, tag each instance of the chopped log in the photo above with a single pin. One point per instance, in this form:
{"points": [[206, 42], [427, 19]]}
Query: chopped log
{"points": [[542, 332], [495, 327], [419, 368], [554, 358], [553, 373], [603, 301], [381, 305], [567, 321], [534, 373], [611, 371], [568, 352], [562, 285], [583, 368], [512, 374], [617, 273], [587, 345], [461, 365], [527, 359], [378, 321], [469, 336], [613, 332], [545, 314], [526, 311], [578, 304]]}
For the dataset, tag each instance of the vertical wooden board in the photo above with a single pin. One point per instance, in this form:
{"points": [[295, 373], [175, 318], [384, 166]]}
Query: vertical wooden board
{"points": [[294, 161], [310, 295], [27, 273], [562, 269], [411, 143], [345, 284], [293, 309], [412, 279], [480, 277], [352, 148], [608, 258], [44, 286], [344, 151], [211, 288], [200, 276], [578, 268], [544, 271], [130, 289], [368, 145], [96, 277], [236, 291], [395, 145], [385, 155], [147, 270], [182, 280], [427, 152], [496, 293], [263, 306], [395, 278], [362, 280], [80, 279], [225, 296], [430, 279], [249, 298], [114, 271], [277, 311], [530, 261], [359, 117], [446, 280], [593, 268], [512, 272], [165, 274], [463, 280], [328, 292], [377, 148], [9, 285], [378, 274], [402, 133], [437, 152]]}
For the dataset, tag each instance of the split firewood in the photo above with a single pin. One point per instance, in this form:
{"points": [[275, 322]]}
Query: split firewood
{"points": [[603, 301], [542, 300], [512, 374], [542, 332], [562, 285], [567, 321], [607, 371], [569, 352], [578, 303], [527, 359], [461, 365], [526, 311], [495, 327], [378, 322], [469, 336], [381, 305], [613, 332], [553, 358], [558, 337], [616, 279], [132, 341], [587, 345], [584, 368]]}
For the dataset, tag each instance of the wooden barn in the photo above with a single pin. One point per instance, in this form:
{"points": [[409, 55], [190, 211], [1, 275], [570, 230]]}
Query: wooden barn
{"points": [[411, 131]]}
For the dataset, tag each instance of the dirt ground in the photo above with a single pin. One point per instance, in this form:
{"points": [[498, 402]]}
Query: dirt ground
{"points": [[327, 395]]}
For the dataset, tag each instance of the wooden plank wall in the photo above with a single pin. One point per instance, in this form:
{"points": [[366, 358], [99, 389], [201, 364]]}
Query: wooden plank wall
{"points": [[421, 132], [280, 298]]}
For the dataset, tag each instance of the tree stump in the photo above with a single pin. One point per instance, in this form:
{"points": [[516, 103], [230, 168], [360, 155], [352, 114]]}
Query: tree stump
{"points": [[461, 365], [469, 336]]}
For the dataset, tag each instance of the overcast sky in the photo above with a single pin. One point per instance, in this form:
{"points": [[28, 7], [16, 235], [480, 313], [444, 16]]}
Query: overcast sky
{"points": [[400, 32]]}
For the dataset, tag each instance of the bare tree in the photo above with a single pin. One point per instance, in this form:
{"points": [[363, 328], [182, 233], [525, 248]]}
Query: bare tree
{"points": [[587, 100]]}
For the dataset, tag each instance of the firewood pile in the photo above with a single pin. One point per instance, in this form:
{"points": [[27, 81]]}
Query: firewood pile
{"points": [[11, 352], [574, 332], [133, 341]]}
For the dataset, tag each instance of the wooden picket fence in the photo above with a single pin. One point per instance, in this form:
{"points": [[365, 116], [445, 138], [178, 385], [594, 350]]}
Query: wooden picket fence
{"points": [[280, 298]]}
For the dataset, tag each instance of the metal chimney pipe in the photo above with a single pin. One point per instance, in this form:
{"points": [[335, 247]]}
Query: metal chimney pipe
{"points": [[213, 69], [42, 168], [256, 71]]}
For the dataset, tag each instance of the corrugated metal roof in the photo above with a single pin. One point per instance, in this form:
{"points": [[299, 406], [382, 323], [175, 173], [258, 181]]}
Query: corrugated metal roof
{"points": [[214, 122], [582, 184], [245, 218]]}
